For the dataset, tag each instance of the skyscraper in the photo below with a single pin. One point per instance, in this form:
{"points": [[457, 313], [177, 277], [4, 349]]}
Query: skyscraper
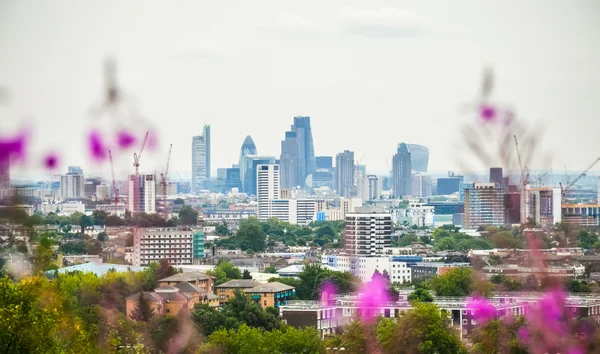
{"points": [[75, 169], [402, 171], [147, 194], [200, 159], [268, 188], [248, 148], [421, 185], [484, 205], [72, 185], [299, 135], [324, 162], [250, 163], [496, 175], [344, 165], [419, 157]]}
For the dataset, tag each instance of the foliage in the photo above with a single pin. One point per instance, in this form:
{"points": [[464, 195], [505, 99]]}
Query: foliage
{"points": [[270, 270], [222, 229], [421, 295], [407, 240], [497, 336], [102, 236], [449, 239], [164, 270], [246, 274], [143, 310], [313, 276], [456, 282], [576, 286], [587, 240], [224, 272], [188, 215], [505, 283], [251, 236]]}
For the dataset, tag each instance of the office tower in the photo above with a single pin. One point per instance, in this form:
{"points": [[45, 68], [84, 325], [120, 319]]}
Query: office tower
{"points": [[4, 171], [419, 157], [322, 178], [75, 170], [291, 173], [324, 162], [402, 172], [248, 148], [147, 194], [200, 160], [249, 165], [221, 173], [344, 166], [368, 187], [72, 186], [449, 185], [232, 179], [484, 205], [421, 185], [90, 185], [301, 159], [268, 188], [368, 232], [496, 175], [178, 245]]}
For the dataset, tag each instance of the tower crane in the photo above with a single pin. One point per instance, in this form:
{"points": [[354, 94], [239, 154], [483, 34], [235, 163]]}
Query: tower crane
{"points": [[136, 183], [524, 182], [164, 183], [563, 190], [540, 178], [114, 182]]}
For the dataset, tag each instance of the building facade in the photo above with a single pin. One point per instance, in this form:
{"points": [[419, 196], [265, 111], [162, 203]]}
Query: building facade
{"points": [[421, 185], [178, 245], [268, 188], [367, 232], [143, 200], [344, 165], [419, 157], [200, 160], [250, 163], [72, 186], [248, 148], [484, 205], [402, 172]]}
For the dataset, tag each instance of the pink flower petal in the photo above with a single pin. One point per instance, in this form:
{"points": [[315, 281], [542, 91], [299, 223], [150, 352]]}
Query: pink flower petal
{"points": [[51, 161], [483, 311], [125, 139], [97, 148], [488, 113]]}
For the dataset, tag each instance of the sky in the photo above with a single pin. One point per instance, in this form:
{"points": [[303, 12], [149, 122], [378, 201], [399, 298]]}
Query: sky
{"points": [[369, 74]]}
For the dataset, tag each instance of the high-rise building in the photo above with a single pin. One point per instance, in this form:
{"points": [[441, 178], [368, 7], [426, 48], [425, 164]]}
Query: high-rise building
{"points": [[268, 188], [177, 245], [484, 205], [344, 165], [301, 159], [449, 185], [496, 175], [248, 148], [146, 199], [419, 157], [324, 162], [4, 171], [201, 160], [232, 178], [368, 232], [368, 187], [72, 186], [249, 165], [421, 185], [402, 172], [90, 185], [75, 170]]}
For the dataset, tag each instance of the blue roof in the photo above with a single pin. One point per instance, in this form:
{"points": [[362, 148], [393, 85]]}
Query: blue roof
{"points": [[97, 268]]}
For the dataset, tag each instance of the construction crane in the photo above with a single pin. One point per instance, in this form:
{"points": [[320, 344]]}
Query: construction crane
{"points": [[164, 183], [114, 182], [136, 183], [540, 178], [563, 190], [524, 182]]}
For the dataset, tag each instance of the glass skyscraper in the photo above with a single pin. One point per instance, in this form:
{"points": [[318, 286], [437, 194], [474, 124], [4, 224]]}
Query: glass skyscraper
{"points": [[297, 154], [419, 157], [402, 171], [201, 160], [248, 148]]}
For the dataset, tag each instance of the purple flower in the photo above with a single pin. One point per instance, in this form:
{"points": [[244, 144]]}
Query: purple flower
{"points": [[488, 113], [96, 146], [373, 295], [51, 161], [575, 350], [523, 334], [482, 310], [13, 147], [328, 292], [125, 139]]}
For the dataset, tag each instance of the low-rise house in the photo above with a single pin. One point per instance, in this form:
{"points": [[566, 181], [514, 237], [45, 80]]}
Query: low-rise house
{"points": [[198, 279], [164, 300], [93, 230], [200, 295], [273, 294], [225, 291]]}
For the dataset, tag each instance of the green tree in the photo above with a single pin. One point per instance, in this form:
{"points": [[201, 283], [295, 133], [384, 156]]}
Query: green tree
{"points": [[143, 310], [188, 216], [42, 256], [222, 229], [497, 336], [421, 295], [246, 274], [576, 286], [224, 272], [163, 330], [99, 217], [271, 270], [456, 282], [102, 236], [251, 235]]}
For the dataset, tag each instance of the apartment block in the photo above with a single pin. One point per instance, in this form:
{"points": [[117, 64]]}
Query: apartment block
{"points": [[178, 245], [484, 205], [368, 231]]}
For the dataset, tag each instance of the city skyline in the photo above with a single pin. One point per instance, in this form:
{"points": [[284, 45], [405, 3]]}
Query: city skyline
{"points": [[247, 73]]}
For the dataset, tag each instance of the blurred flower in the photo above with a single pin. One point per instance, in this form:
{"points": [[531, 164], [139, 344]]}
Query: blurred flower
{"points": [[373, 295], [51, 161], [328, 292], [523, 334], [96, 146], [125, 139], [482, 310], [14, 147], [487, 112]]}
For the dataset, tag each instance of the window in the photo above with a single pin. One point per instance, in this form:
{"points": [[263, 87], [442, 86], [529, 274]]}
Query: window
{"points": [[465, 322], [473, 322], [265, 302], [464, 312], [168, 310]]}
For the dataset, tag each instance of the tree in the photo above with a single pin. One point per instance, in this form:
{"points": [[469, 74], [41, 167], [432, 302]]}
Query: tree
{"points": [[251, 235], [222, 229], [576, 286], [164, 329], [165, 270], [421, 295], [42, 256], [246, 274], [271, 270], [497, 336], [102, 236], [143, 310], [225, 271], [456, 282], [93, 247], [188, 216], [99, 217]]}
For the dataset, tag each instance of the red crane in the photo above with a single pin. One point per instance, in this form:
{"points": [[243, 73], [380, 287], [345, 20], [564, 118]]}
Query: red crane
{"points": [[114, 182], [136, 182], [164, 183]]}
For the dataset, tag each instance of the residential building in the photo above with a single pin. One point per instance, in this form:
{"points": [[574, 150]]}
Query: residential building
{"points": [[484, 205], [582, 215], [61, 208], [250, 164], [144, 198], [419, 157], [421, 185], [248, 148], [427, 270], [198, 294], [89, 188], [178, 245], [268, 188], [72, 186], [103, 192], [420, 214], [272, 294], [195, 278], [164, 300], [368, 231], [544, 205], [402, 172], [226, 290], [201, 160], [344, 165], [368, 187], [305, 211]]}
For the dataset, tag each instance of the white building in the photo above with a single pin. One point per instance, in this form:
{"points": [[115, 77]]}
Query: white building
{"points": [[398, 268], [200, 160], [421, 214], [178, 245], [368, 187], [368, 232], [267, 189], [145, 201], [421, 185], [72, 186], [103, 192], [62, 208]]}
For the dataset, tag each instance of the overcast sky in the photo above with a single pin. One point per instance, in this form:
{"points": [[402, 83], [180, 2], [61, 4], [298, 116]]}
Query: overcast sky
{"points": [[370, 74]]}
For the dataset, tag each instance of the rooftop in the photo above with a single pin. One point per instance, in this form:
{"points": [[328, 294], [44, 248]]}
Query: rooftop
{"points": [[273, 287], [186, 287], [239, 283], [186, 276]]}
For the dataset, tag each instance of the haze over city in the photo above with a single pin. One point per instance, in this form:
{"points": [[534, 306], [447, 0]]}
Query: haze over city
{"points": [[369, 75]]}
